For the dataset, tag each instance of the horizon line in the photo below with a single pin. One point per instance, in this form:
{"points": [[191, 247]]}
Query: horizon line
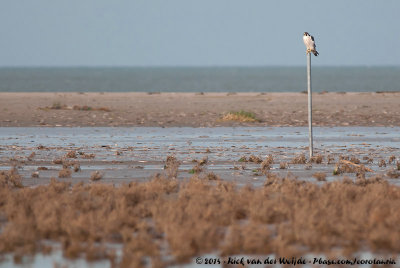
{"points": [[186, 66]]}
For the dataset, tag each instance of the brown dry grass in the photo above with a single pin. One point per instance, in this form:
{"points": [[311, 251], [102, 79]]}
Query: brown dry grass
{"points": [[286, 217], [299, 159], [64, 173], [283, 165], [10, 179], [86, 156], [266, 164], [317, 159], [255, 159], [71, 154], [320, 176], [382, 163], [171, 166], [96, 175], [345, 166]]}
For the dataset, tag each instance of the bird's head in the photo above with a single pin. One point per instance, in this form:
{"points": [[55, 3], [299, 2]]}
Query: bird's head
{"points": [[306, 34]]}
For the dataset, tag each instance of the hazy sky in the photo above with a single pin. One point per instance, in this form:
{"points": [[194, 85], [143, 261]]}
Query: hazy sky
{"points": [[197, 32]]}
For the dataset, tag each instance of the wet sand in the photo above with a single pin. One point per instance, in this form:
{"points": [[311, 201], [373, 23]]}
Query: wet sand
{"points": [[197, 109]]}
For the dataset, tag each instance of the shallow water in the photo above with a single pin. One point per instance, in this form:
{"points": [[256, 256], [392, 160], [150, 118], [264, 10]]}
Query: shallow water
{"points": [[125, 154]]}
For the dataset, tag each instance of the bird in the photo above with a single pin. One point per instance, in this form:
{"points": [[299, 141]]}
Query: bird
{"points": [[310, 43]]}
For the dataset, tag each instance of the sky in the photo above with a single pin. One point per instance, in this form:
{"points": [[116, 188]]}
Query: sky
{"points": [[198, 32]]}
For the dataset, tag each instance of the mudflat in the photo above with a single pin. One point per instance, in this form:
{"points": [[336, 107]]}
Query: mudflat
{"points": [[197, 109]]}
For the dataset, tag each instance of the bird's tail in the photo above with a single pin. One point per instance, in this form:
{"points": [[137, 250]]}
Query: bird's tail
{"points": [[315, 53]]}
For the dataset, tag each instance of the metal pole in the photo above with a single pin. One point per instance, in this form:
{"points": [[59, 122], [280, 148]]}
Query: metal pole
{"points": [[310, 134]]}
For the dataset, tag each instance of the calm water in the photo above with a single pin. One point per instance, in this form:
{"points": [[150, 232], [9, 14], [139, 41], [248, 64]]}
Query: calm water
{"points": [[198, 79]]}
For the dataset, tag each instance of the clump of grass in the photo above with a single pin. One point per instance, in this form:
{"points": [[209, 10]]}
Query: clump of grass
{"points": [[86, 156], [283, 165], [73, 164], [336, 170], [317, 159], [60, 106], [320, 176], [393, 174], [89, 108], [71, 154], [382, 163], [96, 175], [31, 156], [243, 159], [42, 168], [212, 177], [203, 161], [255, 159], [241, 116], [266, 164], [77, 167], [64, 173], [345, 166], [58, 161], [392, 159], [354, 160], [171, 166], [269, 159], [10, 179], [196, 169], [331, 159], [57, 106], [299, 159], [82, 108], [368, 160]]}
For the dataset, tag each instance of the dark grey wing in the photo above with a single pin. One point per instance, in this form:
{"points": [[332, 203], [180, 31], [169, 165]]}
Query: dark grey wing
{"points": [[312, 38]]}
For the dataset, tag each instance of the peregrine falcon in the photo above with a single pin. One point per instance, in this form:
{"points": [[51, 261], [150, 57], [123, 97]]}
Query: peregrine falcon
{"points": [[310, 44]]}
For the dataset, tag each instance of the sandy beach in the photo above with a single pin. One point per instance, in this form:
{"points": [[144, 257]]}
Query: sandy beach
{"points": [[197, 109]]}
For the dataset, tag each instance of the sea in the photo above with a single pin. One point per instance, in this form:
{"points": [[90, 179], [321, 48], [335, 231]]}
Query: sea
{"points": [[198, 79]]}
